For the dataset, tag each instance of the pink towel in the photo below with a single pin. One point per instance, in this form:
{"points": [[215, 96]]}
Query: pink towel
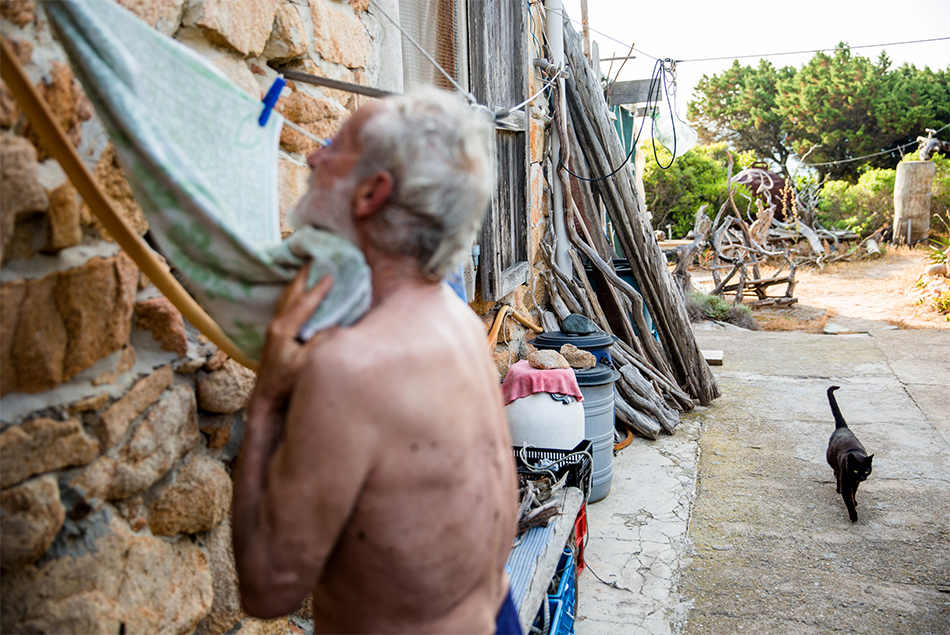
{"points": [[523, 380]]}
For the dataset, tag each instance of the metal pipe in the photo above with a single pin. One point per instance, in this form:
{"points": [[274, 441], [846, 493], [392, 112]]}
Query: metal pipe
{"points": [[554, 29]]}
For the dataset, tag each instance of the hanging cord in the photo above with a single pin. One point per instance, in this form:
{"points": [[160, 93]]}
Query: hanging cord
{"points": [[654, 85], [662, 77], [868, 156], [53, 136]]}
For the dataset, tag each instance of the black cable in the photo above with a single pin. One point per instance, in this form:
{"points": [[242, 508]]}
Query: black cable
{"points": [[657, 80], [672, 123]]}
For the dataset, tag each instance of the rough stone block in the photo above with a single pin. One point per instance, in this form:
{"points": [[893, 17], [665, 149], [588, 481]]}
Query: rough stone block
{"points": [[66, 101], [164, 15], [20, 13], [237, 71], [160, 316], [289, 39], [169, 431], [110, 580], [65, 226], [40, 343], [110, 176], [115, 421], [96, 303], [20, 187], [225, 390], [32, 516], [243, 26], [43, 445], [338, 34], [547, 360], [198, 501]]}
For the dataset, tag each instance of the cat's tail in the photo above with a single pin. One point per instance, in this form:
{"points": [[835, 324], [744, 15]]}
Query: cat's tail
{"points": [[839, 420]]}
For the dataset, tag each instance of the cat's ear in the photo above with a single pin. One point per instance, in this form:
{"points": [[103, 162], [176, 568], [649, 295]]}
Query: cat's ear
{"points": [[870, 456]]}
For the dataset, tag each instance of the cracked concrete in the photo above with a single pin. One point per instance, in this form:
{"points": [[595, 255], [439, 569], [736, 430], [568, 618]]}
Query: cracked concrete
{"points": [[733, 524]]}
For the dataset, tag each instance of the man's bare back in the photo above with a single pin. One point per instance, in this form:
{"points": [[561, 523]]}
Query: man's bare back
{"points": [[417, 536]]}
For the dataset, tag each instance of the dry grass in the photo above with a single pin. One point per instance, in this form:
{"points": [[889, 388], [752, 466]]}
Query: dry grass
{"points": [[792, 319]]}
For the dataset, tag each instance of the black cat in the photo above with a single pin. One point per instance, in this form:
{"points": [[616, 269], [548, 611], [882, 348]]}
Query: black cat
{"points": [[847, 457]]}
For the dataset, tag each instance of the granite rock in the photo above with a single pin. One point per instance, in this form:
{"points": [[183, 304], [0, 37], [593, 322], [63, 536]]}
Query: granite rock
{"points": [[164, 320], [31, 517], [338, 34], [578, 358], [198, 501], [43, 445], [168, 432], [115, 420], [242, 26], [225, 390], [112, 581], [288, 40], [547, 360]]}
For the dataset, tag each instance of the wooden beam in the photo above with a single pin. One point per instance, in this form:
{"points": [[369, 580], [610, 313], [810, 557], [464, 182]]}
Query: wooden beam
{"points": [[633, 92]]}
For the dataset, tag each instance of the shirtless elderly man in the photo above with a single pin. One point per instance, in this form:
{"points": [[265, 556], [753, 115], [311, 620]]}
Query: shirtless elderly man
{"points": [[377, 469]]}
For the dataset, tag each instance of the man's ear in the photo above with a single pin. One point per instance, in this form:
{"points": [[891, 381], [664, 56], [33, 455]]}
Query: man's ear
{"points": [[372, 193]]}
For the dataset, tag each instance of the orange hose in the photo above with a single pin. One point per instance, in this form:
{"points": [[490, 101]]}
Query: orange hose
{"points": [[53, 136], [496, 326]]}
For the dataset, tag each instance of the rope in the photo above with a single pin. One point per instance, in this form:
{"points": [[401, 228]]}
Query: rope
{"points": [[53, 136]]}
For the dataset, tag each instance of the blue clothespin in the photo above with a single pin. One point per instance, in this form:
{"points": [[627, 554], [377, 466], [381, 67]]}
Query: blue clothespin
{"points": [[270, 100]]}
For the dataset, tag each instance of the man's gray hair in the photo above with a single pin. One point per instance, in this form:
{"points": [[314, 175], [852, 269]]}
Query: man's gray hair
{"points": [[439, 153]]}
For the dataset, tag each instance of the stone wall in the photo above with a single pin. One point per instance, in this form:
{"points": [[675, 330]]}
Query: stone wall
{"points": [[119, 423]]}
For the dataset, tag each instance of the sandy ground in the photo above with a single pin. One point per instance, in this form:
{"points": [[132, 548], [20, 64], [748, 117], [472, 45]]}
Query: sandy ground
{"points": [[888, 289]]}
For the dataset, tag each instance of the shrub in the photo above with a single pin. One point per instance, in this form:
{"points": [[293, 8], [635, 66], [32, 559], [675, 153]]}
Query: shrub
{"points": [[861, 207], [698, 177], [700, 306], [864, 206]]}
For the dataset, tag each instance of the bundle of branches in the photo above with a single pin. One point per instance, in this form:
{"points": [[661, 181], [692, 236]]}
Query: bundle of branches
{"points": [[596, 147]]}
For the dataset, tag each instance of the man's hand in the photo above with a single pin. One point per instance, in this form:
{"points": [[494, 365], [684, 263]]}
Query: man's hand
{"points": [[284, 354]]}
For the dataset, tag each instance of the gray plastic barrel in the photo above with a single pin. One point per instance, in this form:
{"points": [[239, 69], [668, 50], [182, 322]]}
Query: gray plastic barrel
{"points": [[597, 386]]}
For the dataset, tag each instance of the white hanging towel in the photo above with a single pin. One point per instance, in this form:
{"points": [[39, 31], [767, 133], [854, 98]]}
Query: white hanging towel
{"points": [[204, 172]]}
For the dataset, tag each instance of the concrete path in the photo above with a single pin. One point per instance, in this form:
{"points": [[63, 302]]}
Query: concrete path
{"points": [[733, 524]]}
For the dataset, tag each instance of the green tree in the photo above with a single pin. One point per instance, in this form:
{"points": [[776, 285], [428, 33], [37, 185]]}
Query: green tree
{"points": [[739, 107], [841, 107], [698, 177]]}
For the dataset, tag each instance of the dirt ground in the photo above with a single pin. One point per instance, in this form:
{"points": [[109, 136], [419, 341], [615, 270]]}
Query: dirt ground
{"points": [[889, 289]]}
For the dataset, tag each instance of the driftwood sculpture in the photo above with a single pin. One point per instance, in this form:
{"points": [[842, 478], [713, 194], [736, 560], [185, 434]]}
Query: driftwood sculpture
{"points": [[929, 146], [767, 186]]}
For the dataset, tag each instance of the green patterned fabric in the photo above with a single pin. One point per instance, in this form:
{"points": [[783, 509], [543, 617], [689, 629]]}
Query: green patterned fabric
{"points": [[204, 172]]}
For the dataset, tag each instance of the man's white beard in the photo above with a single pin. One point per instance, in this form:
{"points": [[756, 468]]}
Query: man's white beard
{"points": [[326, 208]]}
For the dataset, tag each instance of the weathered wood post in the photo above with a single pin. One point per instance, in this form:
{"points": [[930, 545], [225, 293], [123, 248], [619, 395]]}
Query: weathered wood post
{"points": [[912, 192]]}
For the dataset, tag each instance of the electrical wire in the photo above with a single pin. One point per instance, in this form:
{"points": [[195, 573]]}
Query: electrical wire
{"points": [[739, 57], [863, 46], [869, 156], [656, 80]]}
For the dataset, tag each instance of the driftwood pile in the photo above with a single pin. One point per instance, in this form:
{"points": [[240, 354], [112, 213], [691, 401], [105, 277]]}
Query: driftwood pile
{"points": [[662, 372]]}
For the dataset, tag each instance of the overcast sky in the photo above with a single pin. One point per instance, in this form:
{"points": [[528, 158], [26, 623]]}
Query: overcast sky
{"points": [[699, 29]]}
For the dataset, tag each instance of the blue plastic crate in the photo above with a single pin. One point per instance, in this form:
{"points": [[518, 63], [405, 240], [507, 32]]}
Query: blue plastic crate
{"points": [[563, 602]]}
